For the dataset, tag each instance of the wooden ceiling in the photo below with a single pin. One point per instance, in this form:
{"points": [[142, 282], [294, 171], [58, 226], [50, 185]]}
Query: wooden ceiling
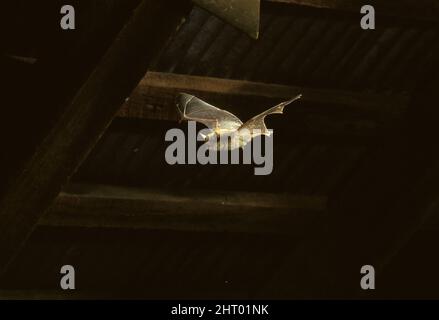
{"points": [[355, 162]]}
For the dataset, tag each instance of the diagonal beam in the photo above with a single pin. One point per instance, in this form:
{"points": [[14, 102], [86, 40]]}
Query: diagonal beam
{"points": [[84, 120]]}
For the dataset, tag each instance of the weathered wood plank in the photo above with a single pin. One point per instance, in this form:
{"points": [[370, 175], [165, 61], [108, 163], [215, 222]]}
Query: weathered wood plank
{"points": [[155, 95], [189, 210], [84, 120]]}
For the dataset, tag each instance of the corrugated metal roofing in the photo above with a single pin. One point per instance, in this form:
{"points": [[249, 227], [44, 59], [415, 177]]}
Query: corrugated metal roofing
{"points": [[296, 47], [303, 49], [137, 159]]}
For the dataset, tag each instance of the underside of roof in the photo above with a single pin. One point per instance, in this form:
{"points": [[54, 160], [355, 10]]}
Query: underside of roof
{"points": [[355, 172]]}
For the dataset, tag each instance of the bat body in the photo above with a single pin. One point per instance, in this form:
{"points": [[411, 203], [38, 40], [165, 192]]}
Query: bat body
{"points": [[223, 123]]}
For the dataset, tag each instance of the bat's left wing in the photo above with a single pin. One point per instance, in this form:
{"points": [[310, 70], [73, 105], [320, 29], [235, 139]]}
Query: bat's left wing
{"points": [[195, 109], [258, 123]]}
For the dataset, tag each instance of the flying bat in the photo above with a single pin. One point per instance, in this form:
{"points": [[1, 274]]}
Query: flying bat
{"points": [[222, 122]]}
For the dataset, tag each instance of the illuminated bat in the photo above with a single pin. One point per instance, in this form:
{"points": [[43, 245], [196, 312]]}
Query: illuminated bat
{"points": [[222, 122]]}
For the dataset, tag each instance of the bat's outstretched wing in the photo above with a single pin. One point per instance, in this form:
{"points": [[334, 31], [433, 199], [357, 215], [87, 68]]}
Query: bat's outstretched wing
{"points": [[195, 109], [257, 122]]}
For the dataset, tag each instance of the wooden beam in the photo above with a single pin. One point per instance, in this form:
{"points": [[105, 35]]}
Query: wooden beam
{"points": [[154, 97], [84, 120], [190, 210], [419, 10]]}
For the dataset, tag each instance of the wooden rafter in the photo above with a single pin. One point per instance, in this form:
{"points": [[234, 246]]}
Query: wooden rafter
{"points": [[154, 98], [169, 84], [122, 207]]}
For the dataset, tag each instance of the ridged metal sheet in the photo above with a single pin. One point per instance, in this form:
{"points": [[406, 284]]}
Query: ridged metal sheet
{"points": [[300, 48], [136, 158]]}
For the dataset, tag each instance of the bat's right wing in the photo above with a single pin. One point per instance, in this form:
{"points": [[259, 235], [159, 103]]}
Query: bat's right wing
{"points": [[195, 109], [258, 122]]}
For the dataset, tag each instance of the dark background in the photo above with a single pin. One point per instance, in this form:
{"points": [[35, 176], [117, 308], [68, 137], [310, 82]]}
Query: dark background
{"points": [[376, 168]]}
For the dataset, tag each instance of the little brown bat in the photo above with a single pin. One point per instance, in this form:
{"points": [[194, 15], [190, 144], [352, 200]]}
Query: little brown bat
{"points": [[222, 123]]}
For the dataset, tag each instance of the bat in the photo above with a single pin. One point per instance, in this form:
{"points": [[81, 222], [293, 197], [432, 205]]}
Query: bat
{"points": [[222, 122]]}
